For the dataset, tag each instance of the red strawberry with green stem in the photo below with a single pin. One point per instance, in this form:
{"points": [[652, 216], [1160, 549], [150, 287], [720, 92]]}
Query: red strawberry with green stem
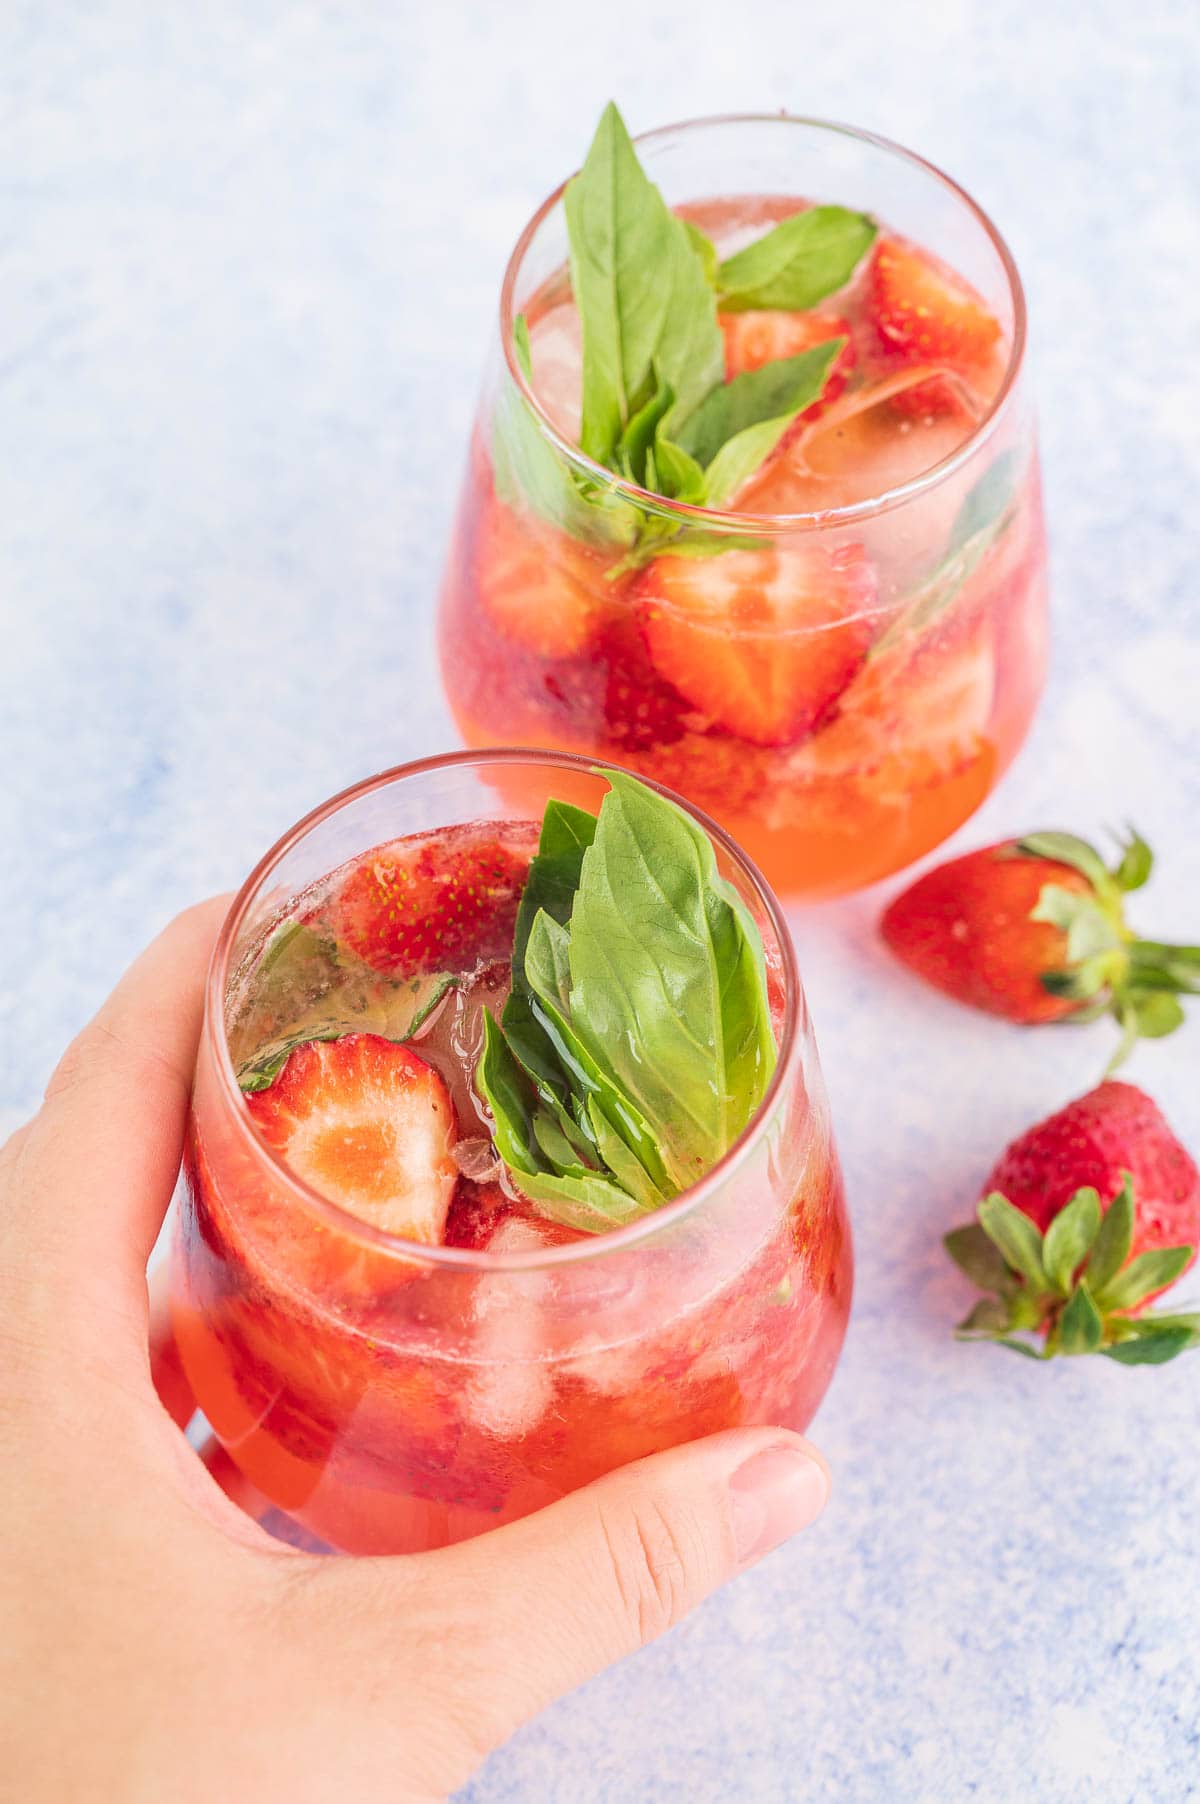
{"points": [[1085, 1219], [1034, 929]]}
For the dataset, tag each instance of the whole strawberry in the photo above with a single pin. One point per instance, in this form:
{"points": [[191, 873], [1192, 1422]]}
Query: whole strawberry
{"points": [[1034, 929], [1085, 1219]]}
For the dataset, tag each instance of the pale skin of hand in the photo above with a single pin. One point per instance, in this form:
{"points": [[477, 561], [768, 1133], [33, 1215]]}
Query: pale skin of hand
{"points": [[157, 1644]]}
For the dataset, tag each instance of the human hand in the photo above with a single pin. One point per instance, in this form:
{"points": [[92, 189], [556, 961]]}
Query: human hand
{"points": [[158, 1643]]}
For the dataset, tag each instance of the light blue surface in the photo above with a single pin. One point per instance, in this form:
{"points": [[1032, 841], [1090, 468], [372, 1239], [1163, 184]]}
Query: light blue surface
{"points": [[248, 261]]}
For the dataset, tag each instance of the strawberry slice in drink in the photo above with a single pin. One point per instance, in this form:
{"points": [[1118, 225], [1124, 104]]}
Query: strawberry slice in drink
{"points": [[445, 903], [762, 643], [922, 309], [369, 1125], [540, 588]]}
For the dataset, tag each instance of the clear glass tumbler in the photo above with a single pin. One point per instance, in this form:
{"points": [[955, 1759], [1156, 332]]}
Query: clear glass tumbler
{"points": [[911, 505], [396, 1396]]}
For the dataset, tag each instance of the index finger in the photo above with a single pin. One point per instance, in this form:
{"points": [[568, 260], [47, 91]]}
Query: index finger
{"points": [[87, 1189]]}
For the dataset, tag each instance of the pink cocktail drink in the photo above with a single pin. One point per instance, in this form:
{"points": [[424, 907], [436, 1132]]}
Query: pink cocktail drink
{"points": [[835, 642], [399, 1374]]}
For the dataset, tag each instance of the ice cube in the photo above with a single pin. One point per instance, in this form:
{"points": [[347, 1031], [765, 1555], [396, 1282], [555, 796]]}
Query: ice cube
{"points": [[476, 1158], [556, 350], [862, 447], [510, 1384]]}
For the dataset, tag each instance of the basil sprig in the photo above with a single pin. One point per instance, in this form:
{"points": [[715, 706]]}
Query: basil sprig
{"points": [[656, 410], [637, 1041]]}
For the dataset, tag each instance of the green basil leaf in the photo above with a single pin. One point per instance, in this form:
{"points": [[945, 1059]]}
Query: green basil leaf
{"points": [[548, 972], [679, 475], [986, 503], [983, 1263], [1147, 1273], [1016, 1237], [636, 452], [1081, 1326], [1070, 1237], [668, 984], [580, 1199], [622, 1161], [798, 262], [1114, 1237], [984, 517], [705, 249], [644, 300], [531, 472], [770, 396]]}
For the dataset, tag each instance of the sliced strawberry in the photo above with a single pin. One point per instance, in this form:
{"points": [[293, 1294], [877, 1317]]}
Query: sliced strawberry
{"points": [[640, 709], [754, 338], [761, 642], [940, 397], [540, 588], [445, 903], [924, 310], [369, 1125]]}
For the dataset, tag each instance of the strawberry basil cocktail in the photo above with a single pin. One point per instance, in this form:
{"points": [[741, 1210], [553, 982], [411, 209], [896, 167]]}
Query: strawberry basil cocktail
{"points": [[753, 504], [509, 1158]]}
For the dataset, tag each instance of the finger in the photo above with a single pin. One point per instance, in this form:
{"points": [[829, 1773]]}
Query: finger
{"points": [[515, 1618], [86, 1195], [166, 1367]]}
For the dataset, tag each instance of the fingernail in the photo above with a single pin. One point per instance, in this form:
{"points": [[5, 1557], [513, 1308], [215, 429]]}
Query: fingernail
{"points": [[775, 1494]]}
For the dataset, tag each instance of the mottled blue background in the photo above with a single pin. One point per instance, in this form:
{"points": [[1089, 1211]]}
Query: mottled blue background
{"points": [[249, 257]]}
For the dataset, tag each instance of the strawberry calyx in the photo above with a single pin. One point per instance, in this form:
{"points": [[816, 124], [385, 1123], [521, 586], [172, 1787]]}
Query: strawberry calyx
{"points": [[1107, 969], [1073, 1289]]}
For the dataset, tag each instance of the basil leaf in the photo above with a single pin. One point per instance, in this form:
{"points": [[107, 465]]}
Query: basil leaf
{"points": [[531, 472], [668, 985], [636, 449], [637, 1041], [800, 261], [644, 300], [984, 517], [550, 887], [771, 395], [533, 1147], [547, 969], [986, 502], [705, 249]]}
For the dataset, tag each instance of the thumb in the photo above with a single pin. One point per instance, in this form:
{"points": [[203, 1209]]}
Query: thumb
{"points": [[523, 1614]]}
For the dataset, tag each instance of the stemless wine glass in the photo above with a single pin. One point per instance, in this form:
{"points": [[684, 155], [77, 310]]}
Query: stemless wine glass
{"points": [[924, 534], [393, 1396]]}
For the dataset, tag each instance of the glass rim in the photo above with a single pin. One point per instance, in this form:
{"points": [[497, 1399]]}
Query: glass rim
{"points": [[728, 519], [592, 1246]]}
